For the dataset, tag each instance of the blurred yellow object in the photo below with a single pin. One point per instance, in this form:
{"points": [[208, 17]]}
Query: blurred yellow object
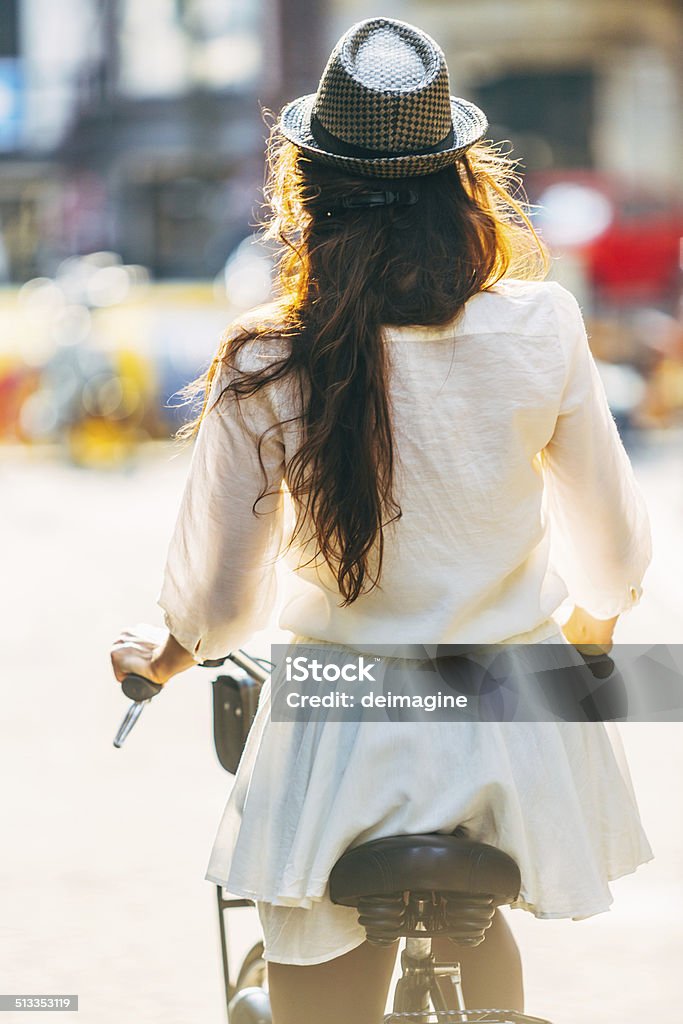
{"points": [[138, 378], [663, 403], [99, 443]]}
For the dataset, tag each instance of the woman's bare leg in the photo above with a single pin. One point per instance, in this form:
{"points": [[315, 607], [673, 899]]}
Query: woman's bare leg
{"points": [[351, 989], [491, 971]]}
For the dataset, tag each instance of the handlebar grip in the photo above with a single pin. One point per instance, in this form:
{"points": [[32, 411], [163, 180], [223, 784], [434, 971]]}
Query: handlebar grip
{"points": [[601, 665], [138, 688]]}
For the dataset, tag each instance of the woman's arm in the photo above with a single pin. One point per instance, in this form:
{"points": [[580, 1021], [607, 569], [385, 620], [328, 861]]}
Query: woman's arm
{"points": [[583, 630], [219, 583], [219, 579], [599, 527], [170, 659]]}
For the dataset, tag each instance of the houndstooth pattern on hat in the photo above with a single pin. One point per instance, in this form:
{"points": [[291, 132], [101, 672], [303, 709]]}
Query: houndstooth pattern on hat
{"points": [[383, 102]]}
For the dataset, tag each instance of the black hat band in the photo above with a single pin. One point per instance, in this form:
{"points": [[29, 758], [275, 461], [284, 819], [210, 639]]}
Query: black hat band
{"points": [[327, 141]]}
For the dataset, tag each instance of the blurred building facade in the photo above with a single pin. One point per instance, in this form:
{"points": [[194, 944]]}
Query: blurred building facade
{"points": [[136, 126], [573, 83]]}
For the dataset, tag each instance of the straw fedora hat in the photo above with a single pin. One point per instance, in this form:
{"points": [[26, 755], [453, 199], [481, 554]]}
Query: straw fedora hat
{"points": [[383, 107]]}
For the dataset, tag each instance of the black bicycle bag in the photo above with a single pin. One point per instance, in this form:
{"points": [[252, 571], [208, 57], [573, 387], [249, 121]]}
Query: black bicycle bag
{"points": [[234, 706]]}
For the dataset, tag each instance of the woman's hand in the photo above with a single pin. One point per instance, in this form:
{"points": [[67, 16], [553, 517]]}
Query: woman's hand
{"points": [[584, 631], [137, 651], [149, 651]]}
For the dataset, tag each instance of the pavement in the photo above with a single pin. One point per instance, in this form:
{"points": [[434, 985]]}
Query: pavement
{"points": [[104, 851]]}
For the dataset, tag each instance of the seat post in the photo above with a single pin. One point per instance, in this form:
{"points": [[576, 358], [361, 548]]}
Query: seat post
{"points": [[421, 973], [414, 987], [419, 949]]}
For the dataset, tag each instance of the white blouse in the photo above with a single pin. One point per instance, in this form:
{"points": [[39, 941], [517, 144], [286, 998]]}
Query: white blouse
{"points": [[515, 488]]}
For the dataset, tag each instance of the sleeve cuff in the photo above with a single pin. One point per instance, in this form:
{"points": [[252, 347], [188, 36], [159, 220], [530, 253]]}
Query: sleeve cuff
{"points": [[191, 643], [608, 609]]}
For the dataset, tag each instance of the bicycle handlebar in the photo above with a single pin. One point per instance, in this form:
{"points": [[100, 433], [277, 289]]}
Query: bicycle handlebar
{"points": [[141, 690]]}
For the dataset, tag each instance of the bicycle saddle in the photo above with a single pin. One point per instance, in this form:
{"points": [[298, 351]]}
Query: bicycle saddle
{"points": [[451, 885]]}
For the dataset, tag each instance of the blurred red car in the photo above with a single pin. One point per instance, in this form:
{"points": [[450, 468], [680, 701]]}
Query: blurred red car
{"points": [[630, 241]]}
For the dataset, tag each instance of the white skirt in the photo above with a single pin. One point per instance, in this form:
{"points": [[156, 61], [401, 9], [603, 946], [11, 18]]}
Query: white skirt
{"points": [[555, 796]]}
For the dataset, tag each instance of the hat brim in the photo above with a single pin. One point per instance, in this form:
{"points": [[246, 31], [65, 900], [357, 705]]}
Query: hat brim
{"points": [[469, 126]]}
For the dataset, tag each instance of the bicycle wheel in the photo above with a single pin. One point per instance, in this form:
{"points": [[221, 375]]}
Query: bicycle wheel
{"points": [[250, 1003], [253, 972], [462, 1017], [250, 1006]]}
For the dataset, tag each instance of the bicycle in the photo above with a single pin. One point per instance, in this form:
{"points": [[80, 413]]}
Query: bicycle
{"points": [[409, 886]]}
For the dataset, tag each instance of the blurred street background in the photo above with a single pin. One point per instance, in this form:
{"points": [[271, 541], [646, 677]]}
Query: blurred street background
{"points": [[131, 162]]}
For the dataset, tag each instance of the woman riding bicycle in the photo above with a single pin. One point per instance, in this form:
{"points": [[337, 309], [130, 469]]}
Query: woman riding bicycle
{"points": [[431, 406]]}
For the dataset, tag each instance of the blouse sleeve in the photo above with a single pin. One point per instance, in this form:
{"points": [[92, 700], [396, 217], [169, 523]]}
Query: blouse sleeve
{"points": [[219, 583], [600, 533]]}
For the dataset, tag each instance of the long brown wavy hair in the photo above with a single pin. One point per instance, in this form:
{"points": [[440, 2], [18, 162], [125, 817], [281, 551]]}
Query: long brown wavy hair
{"points": [[342, 275]]}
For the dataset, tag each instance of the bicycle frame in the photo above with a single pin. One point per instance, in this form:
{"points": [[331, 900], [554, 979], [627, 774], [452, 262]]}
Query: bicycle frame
{"points": [[418, 984], [223, 905]]}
